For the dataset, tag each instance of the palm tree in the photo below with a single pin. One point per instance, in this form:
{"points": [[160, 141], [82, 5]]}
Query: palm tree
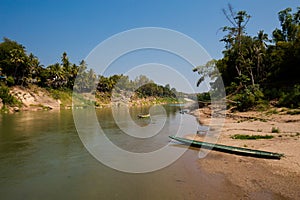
{"points": [[57, 75], [19, 59], [259, 49], [34, 69]]}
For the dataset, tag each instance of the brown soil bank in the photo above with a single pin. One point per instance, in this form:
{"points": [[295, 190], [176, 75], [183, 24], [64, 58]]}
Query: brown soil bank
{"points": [[260, 178], [34, 98]]}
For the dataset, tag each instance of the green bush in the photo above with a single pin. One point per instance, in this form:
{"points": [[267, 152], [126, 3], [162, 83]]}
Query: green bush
{"points": [[275, 130], [293, 112], [248, 98], [251, 137], [290, 99], [232, 88], [10, 81], [64, 95], [272, 93], [7, 98], [273, 111], [204, 97]]}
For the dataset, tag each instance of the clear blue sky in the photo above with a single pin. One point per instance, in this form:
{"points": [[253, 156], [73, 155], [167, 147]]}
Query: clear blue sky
{"points": [[49, 27]]}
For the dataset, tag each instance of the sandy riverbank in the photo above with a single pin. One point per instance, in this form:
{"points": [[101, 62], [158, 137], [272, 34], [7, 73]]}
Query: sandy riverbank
{"points": [[259, 178], [34, 98]]}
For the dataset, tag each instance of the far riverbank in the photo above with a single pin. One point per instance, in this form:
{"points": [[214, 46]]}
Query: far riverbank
{"points": [[35, 98]]}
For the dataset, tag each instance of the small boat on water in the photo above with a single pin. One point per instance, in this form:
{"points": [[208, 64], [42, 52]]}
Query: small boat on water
{"points": [[184, 111], [143, 115], [229, 149]]}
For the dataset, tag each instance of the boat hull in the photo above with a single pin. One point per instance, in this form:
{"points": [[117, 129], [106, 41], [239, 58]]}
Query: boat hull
{"points": [[144, 116], [229, 149]]}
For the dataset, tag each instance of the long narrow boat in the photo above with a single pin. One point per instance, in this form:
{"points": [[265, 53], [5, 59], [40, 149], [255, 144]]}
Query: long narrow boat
{"points": [[229, 149], [144, 116]]}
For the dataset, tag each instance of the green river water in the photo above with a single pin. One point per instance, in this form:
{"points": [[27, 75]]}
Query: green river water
{"points": [[42, 157]]}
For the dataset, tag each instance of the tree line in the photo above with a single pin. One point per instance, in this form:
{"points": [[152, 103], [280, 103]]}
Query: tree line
{"points": [[258, 69], [19, 68]]}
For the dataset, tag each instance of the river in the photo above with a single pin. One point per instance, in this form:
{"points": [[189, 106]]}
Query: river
{"points": [[42, 157]]}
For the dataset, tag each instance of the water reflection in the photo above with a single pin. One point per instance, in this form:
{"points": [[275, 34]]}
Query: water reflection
{"points": [[42, 157], [140, 145]]}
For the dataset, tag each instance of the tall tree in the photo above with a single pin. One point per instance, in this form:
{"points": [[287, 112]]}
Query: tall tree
{"points": [[235, 38], [35, 68], [289, 26], [285, 54], [13, 60], [259, 49]]}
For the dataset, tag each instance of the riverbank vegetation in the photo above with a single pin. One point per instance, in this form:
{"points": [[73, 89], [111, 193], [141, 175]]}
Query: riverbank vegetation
{"points": [[20, 69], [251, 137], [257, 70]]}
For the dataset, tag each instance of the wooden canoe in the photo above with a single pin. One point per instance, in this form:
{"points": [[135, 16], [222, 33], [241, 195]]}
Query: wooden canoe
{"points": [[144, 116], [229, 149]]}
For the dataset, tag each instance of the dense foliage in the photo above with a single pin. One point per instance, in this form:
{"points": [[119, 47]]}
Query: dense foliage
{"points": [[256, 69], [6, 97], [19, 68], [251, 137]]}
